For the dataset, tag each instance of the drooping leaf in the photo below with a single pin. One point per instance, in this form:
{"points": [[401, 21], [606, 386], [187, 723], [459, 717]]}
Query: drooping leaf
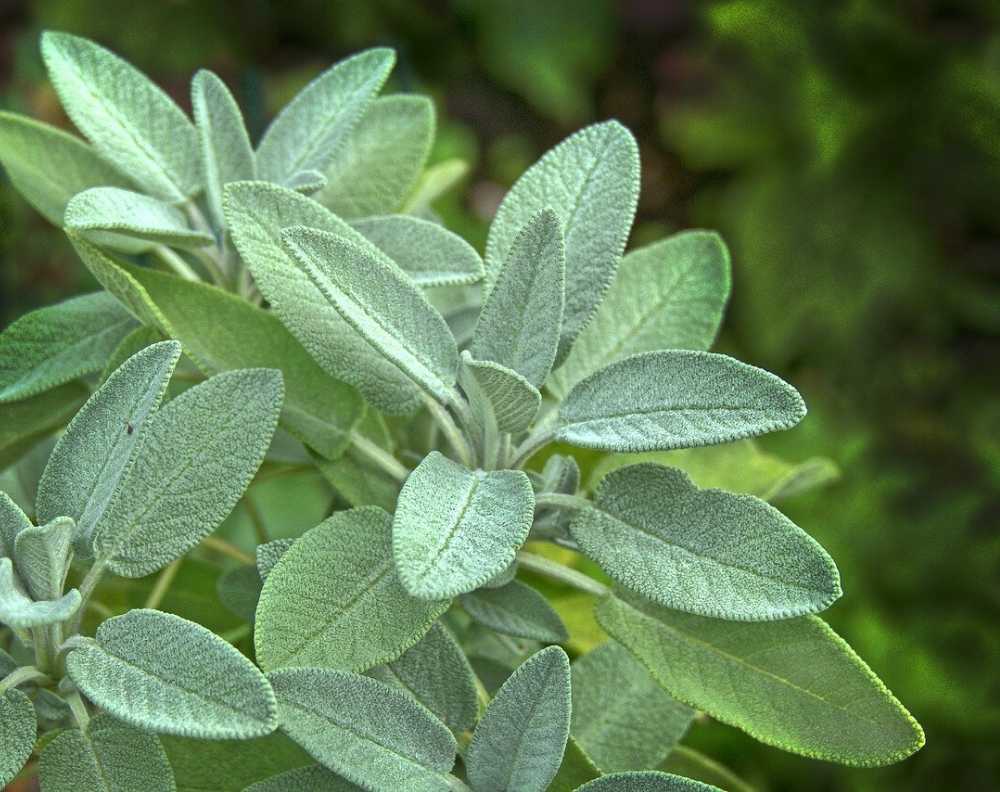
{"points": [[428, 252], [314, 778], [456, 528], [162, 673], [667, 295], [110, 757], [516, 609], [230, 765], [43, 554], [226, 152], [621, 717], [794, 684], [708, 552], [384, 306], [315, 124], [366, 617], [513, 401], [133, 214], [48, 166], [90, 459], [576, 769], [645, 781], [17, 733], [192, 463], [364, 730], [59, 343], [591, 182], [436, 673], [13, 521], [25, 423], [132, 123], [19, 611], [380, 161], [256, 214], [522, 319], [239, 590], [675, 399], [269, 553], [519, 742]]}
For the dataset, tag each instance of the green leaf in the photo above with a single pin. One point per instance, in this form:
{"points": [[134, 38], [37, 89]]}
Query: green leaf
{"points": [[269, 553], [690, 763], [313, 778], [226, 153], [192, 463], [239, 591], [520, 323], [257, 213], [645, 781], [13, 521], [591, 182], [230, 765], [17, 733], [315, 124], [334, 599], [132, 214], [519, 742], [675, 399], [24, 423], [380, 161], [165, 674], [133, 124], [794, 684], [43, 554], [307, 182], [359, 483], [364, 730], [513, 401], [60, 343], [48, 166], [428, 252], [111, 757], [221, 332], [89, 461], [436, 673], [516, 609], [621, 717], [577, 768], [456, 528], [668, 295], [434, 182], [19, 612], [134, 342], [385, 307], [708, 552]]}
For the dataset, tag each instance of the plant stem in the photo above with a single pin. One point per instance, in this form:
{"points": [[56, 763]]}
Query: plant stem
{"points": [[79, 710], [162, 584], [558, 500], [369, 452], [21, 675], [256, 519], [228, 549], [87, 586], [559, 572], [530, 445], [450, 429], [176, 263]]}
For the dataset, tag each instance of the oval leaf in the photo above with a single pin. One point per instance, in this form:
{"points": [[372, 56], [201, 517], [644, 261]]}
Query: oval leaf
{"points": [[20, 612], [516, 609], [132, 214], [513, 401], [18, 730]]}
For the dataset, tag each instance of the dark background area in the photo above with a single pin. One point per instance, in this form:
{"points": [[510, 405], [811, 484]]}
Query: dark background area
{"points": [[850, 155]]}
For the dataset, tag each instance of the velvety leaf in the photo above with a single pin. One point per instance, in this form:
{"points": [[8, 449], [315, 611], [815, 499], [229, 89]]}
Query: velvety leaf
{"points": [[513, 401], [313, 778], [192, 463], [380, 161], [307, 182], [25, 423], [132, 123], [256, 214], [165, 674], [667, 295], [428, 252], [383, 305], [516, 609], [436, 673], [645, 781], [19, 611], [334, 599], [230, 765], [519, 742], [359, 483], [134, 342], [456, 528], [42, 555], [315, 124], [577, 768], [133, 214], [364, 730], [48, 166], [709, 552], [239, 590], [521, 321], [621, 717], [13, 521], [60, 343], [226, 152], [794, 684], [269, 553], [675, 399], [17, 733], [591, 182]]}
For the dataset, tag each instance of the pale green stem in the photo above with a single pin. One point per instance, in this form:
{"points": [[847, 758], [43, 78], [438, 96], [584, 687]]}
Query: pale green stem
{"points": [[558, 500], [87, 586], [530, 445], [176, 263], [162, 585], [235, 634], [450, 430], [227, 549], [79, 710], [369, 452], [561, 573], [21, 675]]}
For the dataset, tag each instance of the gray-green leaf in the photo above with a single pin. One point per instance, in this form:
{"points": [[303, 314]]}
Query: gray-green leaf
{"points": [[269, 553], [165, 674], [675, 399], [334, 599], [314, 778], [794, 684], [513, 401], [516, 609], [13, 520], [519, 742], [19, 611], [668, 295], [132, 214], [364, 730], [18, 730], [645, 781], [43, 554], [131, 122], [708, 552]]}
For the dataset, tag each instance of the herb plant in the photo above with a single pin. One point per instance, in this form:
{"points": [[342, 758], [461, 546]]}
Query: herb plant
{"points": [[510, 441]]}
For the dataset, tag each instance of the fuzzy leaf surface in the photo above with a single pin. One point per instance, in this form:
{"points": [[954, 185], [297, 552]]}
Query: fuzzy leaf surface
{"points": [[18, 730], [269, 553], [19, 611], [512, 400], [516, 609], [645, 781], [43, 554], [133, 214], [314, 778], [13, 521]]}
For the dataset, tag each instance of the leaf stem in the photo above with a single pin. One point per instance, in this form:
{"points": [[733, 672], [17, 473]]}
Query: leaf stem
{"points": [[228, 549], [87, 586], [369, 452], [79, 710], [175, 262], [163, 582], [21, 675], [559, 500], [561, 573], [450, 429], [530, 445]]}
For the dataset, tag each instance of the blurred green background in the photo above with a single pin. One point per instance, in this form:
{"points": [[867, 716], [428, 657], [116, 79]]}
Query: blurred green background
{"points": [[849, 153]]}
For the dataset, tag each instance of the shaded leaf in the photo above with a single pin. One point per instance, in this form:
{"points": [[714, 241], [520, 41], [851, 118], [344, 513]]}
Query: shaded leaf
{"points": [[516, 609], [230, 765], [269, 553], [24, 423], [693, 764], [576, 769], [313, 778], [13, 521]]}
